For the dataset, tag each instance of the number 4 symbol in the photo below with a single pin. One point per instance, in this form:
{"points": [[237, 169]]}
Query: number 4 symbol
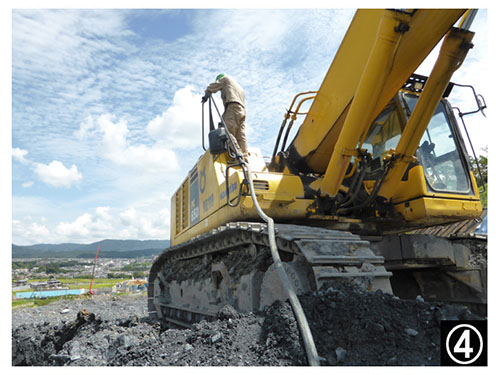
{"points": [[463, 344], [465, 340]]}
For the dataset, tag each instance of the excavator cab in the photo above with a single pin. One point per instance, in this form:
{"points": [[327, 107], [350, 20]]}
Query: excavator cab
{"points": [[385, 132], [441, 153], [440, 171]]}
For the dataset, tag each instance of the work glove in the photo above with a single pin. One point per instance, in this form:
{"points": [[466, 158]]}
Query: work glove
{"points": [[205, 97]]}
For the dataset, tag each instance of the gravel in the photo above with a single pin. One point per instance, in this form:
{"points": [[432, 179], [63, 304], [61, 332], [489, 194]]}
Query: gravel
{"points": [[350, 327], [479, 251]]}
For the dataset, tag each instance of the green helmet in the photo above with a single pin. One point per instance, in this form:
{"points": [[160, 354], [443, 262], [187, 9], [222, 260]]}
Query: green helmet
{"points": [[220, 76]]}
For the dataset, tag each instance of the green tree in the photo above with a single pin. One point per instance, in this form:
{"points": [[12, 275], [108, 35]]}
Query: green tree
{"points": [[118, 276], [482, 171], [139, 274]]}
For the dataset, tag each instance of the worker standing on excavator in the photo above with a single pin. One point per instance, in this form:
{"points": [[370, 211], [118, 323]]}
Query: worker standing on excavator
{"points": [[233, 98]]}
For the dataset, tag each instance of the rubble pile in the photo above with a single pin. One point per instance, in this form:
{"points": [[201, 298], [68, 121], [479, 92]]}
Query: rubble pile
{"points": [[478, 248], [353, 327], [350, 327]]}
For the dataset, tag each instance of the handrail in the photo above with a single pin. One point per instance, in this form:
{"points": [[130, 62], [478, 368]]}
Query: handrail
{"points": [[287, 117], [294, 117], [296, 96]]}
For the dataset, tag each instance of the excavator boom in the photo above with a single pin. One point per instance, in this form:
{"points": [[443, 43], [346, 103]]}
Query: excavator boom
{"points": [[414, 35]]}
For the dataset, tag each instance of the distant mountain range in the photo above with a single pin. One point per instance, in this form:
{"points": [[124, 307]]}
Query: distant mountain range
{"points": [[107, 249]]}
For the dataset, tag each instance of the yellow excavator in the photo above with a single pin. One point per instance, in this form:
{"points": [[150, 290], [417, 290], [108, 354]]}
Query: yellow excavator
{"points": [[378, 154]]}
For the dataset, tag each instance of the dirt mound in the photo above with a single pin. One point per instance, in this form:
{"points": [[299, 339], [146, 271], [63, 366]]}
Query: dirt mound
{"points": [[350, 327]]}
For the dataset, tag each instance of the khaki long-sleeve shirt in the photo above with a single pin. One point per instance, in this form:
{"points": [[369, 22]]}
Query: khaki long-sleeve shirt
{"points": [[231, 91]]}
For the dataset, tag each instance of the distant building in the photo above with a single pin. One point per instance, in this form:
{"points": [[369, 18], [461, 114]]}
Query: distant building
{"points": [[134, 285], [22, 282], [44, 285]]}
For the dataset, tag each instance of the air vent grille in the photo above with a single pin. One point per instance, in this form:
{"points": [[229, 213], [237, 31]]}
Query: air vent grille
{"points": [[261, 184]]}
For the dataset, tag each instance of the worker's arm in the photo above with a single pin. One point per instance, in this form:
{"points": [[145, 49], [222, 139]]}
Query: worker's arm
{"points": [[214, 87], [211, 89]]}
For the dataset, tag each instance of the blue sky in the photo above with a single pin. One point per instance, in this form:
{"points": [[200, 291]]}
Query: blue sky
{"points": [[106, 105]]}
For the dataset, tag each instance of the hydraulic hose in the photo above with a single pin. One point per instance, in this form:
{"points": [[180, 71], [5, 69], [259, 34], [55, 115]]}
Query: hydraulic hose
{"points": [[372, 195], [311, 352], [356, 186]]}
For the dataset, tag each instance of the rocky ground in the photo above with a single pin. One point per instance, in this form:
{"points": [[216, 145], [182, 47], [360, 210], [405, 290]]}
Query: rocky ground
{"points": [[350, 328], [478, 248]]}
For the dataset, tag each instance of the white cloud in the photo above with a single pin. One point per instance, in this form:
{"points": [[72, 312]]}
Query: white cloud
{"points": [[128, 216], [56, 174], [114, 136], [53, 174], [86, 128], [68, 36], [147, 224], [164, 216], [129, 224], [78, 228], [19, 155], [88, 227], [28, 232], [180, 124], [126, 234], [102, 213], [148, 229], [25, 205], [39, 230], [117, 148], [246, 28]]}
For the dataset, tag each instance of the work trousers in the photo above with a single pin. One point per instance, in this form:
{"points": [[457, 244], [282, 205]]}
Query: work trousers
{"points": [[234, 117]]}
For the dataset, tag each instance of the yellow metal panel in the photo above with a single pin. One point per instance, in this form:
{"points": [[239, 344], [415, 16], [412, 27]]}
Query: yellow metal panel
{"points": [[415, 203], [211, 175], [222, 216], [474, 185], [433, 211], [416, 187], [204, 192]]}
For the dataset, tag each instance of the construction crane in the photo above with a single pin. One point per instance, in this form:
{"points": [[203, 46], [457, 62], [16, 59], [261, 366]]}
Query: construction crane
{"points": [[378, 153]]}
